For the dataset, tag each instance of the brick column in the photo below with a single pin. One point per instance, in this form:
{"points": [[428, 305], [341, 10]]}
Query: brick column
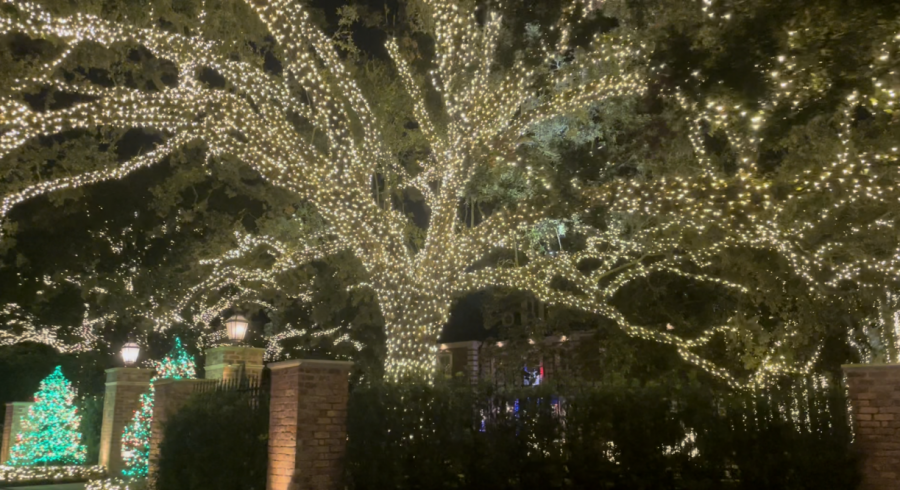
{"points": [[11, 424], [227, 362], [875, 400], [307, 424], [171, 395], [124, 387]]}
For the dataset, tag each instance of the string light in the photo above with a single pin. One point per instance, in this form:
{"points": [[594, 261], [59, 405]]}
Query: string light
{"points": [[482, 109], [50, 430], [274, 348], [24, 474], [116, 484], [177, 364]]}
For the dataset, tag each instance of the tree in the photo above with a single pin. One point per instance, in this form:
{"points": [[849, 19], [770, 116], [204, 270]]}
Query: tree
{"points": [[177, 364], [487, 157], [50, 431]]}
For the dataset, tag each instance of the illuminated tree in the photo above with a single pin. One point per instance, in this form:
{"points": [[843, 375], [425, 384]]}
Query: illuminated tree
{"points": [[177, 364], [485, 115], [50, 430]]}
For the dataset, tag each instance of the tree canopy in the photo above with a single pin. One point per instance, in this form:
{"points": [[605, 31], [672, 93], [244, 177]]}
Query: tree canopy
{"points": [[726, 168]]}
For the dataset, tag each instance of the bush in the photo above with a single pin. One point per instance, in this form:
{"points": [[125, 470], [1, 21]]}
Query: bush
{"points": [[451, 437], [217, 441], [91, 410]]}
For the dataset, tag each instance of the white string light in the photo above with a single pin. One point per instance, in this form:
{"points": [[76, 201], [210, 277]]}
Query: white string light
{"points": [[483, 108]]}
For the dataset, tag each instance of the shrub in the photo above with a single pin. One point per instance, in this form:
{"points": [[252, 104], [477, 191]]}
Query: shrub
{"points": [[451, 437], [217, 441], [91, 409]]}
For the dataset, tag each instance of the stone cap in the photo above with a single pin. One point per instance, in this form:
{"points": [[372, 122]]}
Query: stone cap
{"points": [[18, 404], [128, 375], [319, 363]]}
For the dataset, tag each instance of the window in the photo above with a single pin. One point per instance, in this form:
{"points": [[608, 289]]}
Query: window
{"points": [[445, 363], [534, 377]]}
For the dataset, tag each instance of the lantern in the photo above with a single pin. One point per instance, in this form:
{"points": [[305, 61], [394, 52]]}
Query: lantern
{"points": [[236, 327], [130, 352]]}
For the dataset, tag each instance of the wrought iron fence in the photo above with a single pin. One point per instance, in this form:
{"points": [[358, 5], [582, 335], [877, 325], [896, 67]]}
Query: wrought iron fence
{"points": [[254, 389]]}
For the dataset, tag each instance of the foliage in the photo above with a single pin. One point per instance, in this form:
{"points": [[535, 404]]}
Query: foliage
{"points": [[91, 408], [745, 148], [50, 432], [136, 439], [217, 441], [22, 366], [177, 364], [654, 436]]}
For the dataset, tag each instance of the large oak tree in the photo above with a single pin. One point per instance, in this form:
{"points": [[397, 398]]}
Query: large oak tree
{"points": [[578, 153]]}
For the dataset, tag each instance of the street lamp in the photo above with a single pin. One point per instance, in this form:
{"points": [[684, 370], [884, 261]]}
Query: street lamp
{"points": [[236, 328], [130, 352]]}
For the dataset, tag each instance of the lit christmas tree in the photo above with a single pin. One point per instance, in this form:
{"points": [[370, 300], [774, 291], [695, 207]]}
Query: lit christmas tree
{"points": [[177, 364], [50, 430]]}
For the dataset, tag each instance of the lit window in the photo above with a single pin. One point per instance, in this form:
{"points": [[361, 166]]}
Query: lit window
{"points": [[534, 377]]}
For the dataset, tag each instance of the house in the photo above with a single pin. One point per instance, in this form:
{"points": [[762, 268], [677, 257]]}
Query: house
{"points": [[473, 351], [496, 363]]}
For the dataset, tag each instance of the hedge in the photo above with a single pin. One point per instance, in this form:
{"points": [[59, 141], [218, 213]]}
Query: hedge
{"points": [[449, 436], [217, 441]]}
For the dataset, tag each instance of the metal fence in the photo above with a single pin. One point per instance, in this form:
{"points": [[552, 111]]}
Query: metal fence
{"points": [[255, 390]]}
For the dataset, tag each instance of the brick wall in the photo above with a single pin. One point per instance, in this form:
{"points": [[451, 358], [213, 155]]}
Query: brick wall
{"points": [[875, 401], [171, 395], [11, 425], [124, 387], [231, 361], [307, 425]]}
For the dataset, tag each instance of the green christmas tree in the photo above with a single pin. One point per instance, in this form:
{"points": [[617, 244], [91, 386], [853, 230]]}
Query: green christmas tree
{"points": [[50, 432], [177, 364]]}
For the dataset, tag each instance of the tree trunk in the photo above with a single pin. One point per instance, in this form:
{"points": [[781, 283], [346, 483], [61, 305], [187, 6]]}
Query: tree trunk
{"points": [[890, 331], [413, 316]]}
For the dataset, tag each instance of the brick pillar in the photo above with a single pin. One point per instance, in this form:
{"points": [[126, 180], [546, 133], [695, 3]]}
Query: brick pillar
{"points": [[307, 424], [171, 395], [124, 387], [227, 362], [11, 424], [875, 400]]}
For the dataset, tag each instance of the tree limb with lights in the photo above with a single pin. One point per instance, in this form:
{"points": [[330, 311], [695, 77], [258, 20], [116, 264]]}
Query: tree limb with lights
{"points": [[312, 131]]}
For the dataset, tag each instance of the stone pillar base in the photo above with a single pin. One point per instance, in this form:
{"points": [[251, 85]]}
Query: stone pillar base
{"points": [[875, 401], [124, 387], [307, 424]]}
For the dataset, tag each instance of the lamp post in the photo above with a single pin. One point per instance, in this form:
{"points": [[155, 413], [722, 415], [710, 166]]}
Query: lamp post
{"points": [[130, 352], [236, 328]]}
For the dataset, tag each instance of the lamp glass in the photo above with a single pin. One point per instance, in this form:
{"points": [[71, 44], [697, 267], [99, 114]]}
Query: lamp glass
{"points": [[130, 353], [236, 327]]}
